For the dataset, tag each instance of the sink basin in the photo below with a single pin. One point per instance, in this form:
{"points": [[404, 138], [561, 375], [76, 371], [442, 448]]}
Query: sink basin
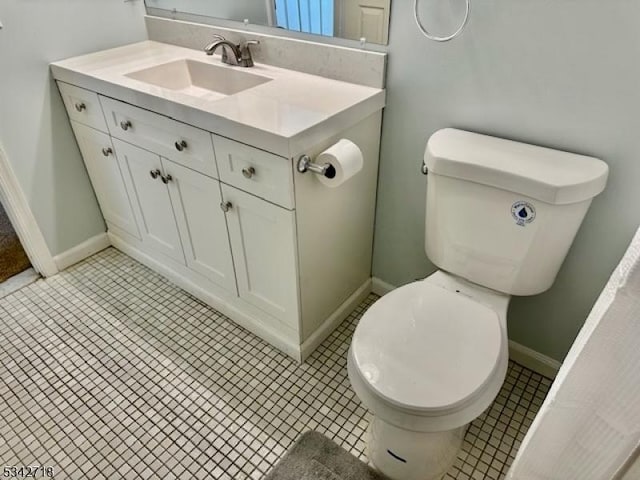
{"points": [[198, 78]]}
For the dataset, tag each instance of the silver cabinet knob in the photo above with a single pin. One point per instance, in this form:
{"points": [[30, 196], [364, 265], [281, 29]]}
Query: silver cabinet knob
{"points": [[166, 179], [181, 145], [80, 106], [106, 151], [248, 172], [155, 173], [125, 125], [226, 206]]}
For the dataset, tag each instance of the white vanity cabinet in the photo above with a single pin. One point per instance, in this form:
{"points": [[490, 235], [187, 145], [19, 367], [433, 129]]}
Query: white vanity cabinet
{"points": [[237, 226]]}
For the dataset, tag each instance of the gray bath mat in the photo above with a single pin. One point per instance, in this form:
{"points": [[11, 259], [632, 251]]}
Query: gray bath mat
{"points": [[315, 457]]}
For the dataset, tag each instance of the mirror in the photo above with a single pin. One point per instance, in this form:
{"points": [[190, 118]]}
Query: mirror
{"points": [[349, 19]]}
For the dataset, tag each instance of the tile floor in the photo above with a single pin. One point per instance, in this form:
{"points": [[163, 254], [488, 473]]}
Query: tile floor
{"points": [[109, 371]]}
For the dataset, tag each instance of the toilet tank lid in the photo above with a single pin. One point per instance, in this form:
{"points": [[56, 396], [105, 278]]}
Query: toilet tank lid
{"points": [[549, 175]]}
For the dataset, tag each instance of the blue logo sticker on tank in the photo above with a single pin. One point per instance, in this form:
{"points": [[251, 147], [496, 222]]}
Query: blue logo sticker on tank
{"points": [[523, 213]]}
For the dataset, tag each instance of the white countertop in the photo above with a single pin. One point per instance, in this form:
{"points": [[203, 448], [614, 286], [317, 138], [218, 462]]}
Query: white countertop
{"points": [[286, 115]]}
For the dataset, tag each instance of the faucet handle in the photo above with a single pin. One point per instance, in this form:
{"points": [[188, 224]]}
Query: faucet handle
{"points": [[245, 45], [245, 52]]}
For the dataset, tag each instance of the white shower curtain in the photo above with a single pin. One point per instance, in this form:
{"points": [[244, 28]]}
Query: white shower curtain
{"points": [[589, 424]]}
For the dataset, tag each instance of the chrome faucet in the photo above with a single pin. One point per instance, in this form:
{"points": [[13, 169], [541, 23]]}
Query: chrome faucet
{"points": [[238, 55]]}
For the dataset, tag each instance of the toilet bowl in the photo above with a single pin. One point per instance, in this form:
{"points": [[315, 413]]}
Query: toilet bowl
{"points": [[429, 357], [426, 359]]}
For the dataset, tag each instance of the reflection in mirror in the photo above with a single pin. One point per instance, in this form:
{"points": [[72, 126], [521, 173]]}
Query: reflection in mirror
{"points": [[350, 19]]}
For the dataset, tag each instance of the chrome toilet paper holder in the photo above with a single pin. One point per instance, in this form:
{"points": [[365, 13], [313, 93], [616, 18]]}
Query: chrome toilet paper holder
{"points": [[305, 164]]}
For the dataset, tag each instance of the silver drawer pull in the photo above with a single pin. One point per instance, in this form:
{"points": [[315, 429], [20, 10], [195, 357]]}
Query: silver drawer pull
{"points": [[181, 145], [106, 151], [166, 179], [226, 206], [248, 172], [80, 106], [125, 125], [155, 173]]}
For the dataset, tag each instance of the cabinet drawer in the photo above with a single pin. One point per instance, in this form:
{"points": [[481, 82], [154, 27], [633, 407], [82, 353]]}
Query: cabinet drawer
{"points": [[83, 106], [179, 142], [255, 171]]}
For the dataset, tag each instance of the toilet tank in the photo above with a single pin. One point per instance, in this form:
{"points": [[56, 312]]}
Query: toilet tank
{"points": [[503, 214]]}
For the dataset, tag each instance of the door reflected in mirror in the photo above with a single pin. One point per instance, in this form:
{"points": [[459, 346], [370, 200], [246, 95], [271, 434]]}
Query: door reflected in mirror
{"points": [[349, 19]]}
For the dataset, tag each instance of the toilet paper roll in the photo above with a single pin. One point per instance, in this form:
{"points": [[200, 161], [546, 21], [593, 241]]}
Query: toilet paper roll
{"points": [[346, 159]]}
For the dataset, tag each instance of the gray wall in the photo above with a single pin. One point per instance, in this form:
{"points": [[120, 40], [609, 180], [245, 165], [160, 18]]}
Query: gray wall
{"points": [[561, 74], [254, 10], [34, 128]]}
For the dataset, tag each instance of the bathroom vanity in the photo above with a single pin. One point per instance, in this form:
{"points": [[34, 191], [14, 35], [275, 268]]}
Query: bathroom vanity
{"points": [[193, 164]]}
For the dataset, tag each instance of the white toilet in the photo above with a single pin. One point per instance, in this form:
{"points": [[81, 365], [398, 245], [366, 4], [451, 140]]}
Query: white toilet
{"points": [[431, 356]]}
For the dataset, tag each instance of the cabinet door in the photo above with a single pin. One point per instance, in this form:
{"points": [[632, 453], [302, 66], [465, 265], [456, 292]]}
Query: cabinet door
{"points": [[157, 223], [106, 177], [203, 229], [264, 253], [363, 18]]}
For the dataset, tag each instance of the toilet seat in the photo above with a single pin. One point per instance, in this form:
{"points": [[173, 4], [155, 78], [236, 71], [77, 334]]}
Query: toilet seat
{"points": [[427, 350]]}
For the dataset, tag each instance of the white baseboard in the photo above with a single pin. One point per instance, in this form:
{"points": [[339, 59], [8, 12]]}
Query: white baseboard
{"points": [[536, 361], [80, 252], [380, 287], [24, 223], [331, 323], [525, 356]]}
